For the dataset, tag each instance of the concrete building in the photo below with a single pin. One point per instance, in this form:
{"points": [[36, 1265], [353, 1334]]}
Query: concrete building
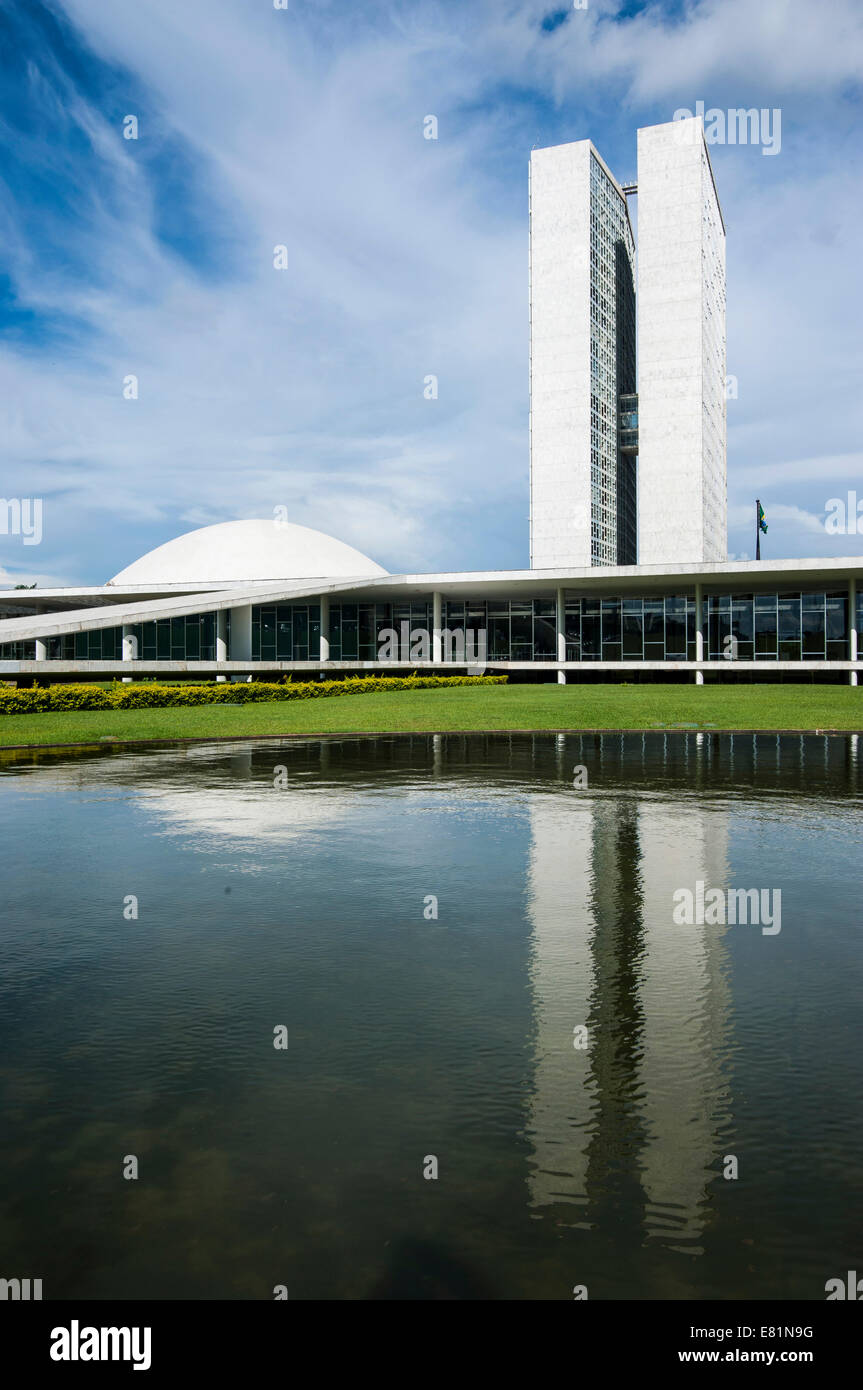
{"points": [[590, 413], [277, 599], [582, 359], [681, 349]]}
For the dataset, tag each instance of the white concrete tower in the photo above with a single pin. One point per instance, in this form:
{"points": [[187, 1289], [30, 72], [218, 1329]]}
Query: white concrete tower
{"points": [[582, 358], [681, 349]]}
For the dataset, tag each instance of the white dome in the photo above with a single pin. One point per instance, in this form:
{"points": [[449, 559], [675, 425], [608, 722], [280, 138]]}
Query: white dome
{"points": [[237, 551]]}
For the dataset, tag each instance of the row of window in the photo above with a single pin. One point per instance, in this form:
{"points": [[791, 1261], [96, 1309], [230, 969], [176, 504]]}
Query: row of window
{"points": [[191, 638], [787, 627], [18, 651], [289, 632], [784, 626], [612, 348]]}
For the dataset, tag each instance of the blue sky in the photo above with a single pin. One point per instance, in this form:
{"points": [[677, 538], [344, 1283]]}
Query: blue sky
{"points": [[406, 257]]}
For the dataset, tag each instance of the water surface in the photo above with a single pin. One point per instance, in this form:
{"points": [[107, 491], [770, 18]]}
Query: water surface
{"points": [[291, 884]]}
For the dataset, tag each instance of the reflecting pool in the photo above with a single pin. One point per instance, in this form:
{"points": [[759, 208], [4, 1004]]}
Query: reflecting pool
{"points": [[420, 1017]]}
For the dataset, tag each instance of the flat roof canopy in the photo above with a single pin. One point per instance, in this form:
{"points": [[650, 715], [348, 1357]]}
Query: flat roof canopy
{"points": [[87, 609]]}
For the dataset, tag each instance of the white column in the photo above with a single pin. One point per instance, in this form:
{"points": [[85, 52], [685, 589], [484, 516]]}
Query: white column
{"points": [[852, 626], [437, 624], [699, 635], [560, 625], [222, 638], [241, 633], [325, 627], [130, 647], [41, 649]]}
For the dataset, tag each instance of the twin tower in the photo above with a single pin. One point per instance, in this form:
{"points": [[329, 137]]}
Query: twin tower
{"points": [[627, 357]]}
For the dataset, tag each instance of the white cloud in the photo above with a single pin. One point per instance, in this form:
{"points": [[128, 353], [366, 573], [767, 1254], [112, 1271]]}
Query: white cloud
{"points": [[406, 257]]}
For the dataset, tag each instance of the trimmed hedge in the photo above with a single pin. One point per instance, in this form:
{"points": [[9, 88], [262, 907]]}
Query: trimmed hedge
{"points": [[54, 698]]}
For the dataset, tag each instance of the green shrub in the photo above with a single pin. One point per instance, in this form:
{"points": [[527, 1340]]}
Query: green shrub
{"points": [[54, 698]]}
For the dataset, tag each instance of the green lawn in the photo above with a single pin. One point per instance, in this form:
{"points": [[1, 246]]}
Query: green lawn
{"points": [[797, 707]]}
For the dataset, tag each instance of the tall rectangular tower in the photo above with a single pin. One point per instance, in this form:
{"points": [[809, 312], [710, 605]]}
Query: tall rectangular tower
{"points": [[582, 361], [681, 349]]}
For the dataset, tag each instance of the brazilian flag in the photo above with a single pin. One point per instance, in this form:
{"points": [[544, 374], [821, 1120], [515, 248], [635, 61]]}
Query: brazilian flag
{"points": [[762, 519]]}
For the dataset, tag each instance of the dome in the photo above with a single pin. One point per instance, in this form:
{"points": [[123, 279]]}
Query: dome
{"points": [[252, 551]]}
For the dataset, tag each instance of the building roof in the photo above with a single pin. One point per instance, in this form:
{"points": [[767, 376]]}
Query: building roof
{"points": [[249, 552], [715, 576]]}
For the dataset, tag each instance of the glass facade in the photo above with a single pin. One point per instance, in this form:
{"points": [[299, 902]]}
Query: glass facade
{"points": [[291, 632], [286, 632], [630, 629], [516, 630], [190, 638], [613, 525], [629, 424], [777, 627], [103, 644], [357, 629], [781, 626]]}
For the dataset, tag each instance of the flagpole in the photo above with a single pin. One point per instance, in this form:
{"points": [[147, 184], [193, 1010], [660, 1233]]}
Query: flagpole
{"points": [[758, 528]]}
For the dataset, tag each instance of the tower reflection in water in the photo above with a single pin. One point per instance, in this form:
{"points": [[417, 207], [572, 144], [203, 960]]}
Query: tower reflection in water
{"points": [[454, 1036], [635, 1120]]}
